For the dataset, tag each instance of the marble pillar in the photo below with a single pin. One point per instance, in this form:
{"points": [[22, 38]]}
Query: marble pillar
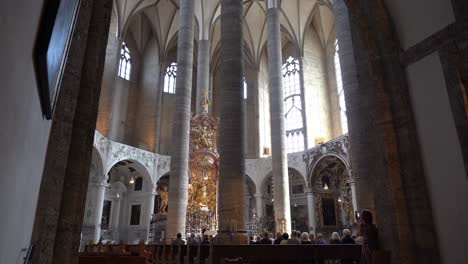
{"points": [[278, 132], [248, 211], [101, 190], [149, 212], [118, 103], [203, 75], [353, 194], [91, 229], [178, 189], [307, 144], [311, 212], [259, 205], [231, 203], [115, 218], [159, 102]]}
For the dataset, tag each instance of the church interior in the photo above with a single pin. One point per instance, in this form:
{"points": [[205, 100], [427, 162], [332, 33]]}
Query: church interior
{"points": [[130, 123]]}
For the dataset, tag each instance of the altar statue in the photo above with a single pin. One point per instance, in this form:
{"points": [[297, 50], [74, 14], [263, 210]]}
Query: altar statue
{"points": [[163, 198]]}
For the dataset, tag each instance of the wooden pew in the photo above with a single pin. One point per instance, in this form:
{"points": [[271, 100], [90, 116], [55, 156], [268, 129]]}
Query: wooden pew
{"points": [[216, 254], [120, 254], [111, 259], [285, 253]]}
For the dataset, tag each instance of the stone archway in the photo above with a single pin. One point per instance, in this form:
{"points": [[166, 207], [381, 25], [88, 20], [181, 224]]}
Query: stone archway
{"points": [[298, 200], [332, 190], [129, 200]]}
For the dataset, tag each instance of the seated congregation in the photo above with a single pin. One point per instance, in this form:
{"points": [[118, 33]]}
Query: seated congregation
{"points": [[298, 247]]}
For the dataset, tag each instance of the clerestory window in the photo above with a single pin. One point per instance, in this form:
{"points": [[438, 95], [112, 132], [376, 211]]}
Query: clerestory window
{"points": [[294, 121], [125, 64], [340, 91], [170, 79], [245, 89]]}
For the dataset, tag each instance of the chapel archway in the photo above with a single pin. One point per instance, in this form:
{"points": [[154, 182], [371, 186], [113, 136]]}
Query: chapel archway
{"points": [[298, 201], [331, 186], [128, 202]]}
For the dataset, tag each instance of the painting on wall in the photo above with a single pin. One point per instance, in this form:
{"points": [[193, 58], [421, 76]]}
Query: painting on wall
{"points": [[51, 49]]}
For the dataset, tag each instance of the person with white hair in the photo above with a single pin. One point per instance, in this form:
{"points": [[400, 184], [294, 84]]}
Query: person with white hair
{"points": [[305, 238], [335, 238], [347, 239]]}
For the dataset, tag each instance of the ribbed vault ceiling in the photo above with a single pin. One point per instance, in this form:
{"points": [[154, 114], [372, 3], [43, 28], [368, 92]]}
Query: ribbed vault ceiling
{"points": [[162, 18]]}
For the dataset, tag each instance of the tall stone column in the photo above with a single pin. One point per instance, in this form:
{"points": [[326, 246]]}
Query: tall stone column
{"points": [[159, 102], [278, 133], [259, 205], [231, 220], [149, 212], [178, 189], [311, 212], [91, 229], [307, 145], [203, 75], [118, 103], [353, 194], [98, 211], [62, 195], [115, 219]]}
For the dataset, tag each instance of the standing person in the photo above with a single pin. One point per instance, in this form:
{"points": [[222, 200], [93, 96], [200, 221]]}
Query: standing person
{"points": [[346, 239], [206, 240], [294, 240], [312, 238], [368, 236], [270, 236], [179, 241], [305, 239], [278, 239], [285, 238], [265, 240], [335, 238], [320, 240], [192, 240]]}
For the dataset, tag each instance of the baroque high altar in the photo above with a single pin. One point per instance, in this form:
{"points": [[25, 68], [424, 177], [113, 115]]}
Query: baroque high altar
{"points": [[203, 175]]}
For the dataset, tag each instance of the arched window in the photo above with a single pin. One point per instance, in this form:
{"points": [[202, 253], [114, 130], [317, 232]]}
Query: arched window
{"points": [[294, 122], [245, 89], [139, 184], [170, 78], [339, 87], [125, 64]]}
